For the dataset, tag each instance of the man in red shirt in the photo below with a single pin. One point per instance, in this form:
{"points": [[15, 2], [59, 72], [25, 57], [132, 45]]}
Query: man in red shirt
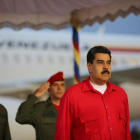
{"points": [[94, 109]]}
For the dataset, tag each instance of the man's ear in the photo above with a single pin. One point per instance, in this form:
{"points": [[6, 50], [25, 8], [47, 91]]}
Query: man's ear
{"points": [[89, 66], [49, 90]]}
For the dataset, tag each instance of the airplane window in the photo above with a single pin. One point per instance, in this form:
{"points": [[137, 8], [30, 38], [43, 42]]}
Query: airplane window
{"points": [[62, 60], [45, 46], [124, 61], [16, 58], [34, 45], [19, 44], [4, 58], [1, 44], [139, 62], [71, 60], [83, 61], [39, 59], [65, 46], [47, 60], [28, 58], [85, 47], [10, 44], [50, 59], [132, 62]]}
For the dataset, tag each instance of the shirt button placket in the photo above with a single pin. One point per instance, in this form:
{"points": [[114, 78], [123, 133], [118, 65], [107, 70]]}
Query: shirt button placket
{"points": [[108, 116]]}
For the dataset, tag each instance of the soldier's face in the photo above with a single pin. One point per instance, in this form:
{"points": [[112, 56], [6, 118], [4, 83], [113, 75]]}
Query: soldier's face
{"points": [[57, 90], [100, 69]]}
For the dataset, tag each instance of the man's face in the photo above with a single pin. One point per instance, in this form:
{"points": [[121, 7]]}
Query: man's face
{"points": [[57, 90], [100, 70]]}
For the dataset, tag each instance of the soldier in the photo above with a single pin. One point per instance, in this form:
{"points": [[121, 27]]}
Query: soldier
{"points": [[4, 125], [42, 115]]}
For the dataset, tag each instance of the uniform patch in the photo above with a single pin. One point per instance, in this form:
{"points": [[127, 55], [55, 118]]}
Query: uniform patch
{"points": [[48, 114]]}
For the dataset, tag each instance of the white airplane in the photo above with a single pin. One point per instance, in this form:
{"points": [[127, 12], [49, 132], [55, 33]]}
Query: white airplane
{"points": [[30, 57]]}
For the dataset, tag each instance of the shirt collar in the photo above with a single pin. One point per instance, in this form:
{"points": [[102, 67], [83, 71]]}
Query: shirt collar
{"points": [[87, 86], [111, 87], [49, 105]]}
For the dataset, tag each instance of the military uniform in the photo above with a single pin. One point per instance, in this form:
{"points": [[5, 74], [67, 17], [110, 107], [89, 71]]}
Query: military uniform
{"points": [[42, 116], [4, 125]]}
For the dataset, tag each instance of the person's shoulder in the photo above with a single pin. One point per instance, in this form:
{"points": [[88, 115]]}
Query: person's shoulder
{"points": [[118, 88], [3, 109], [75, 88], [115, 86], [73, 93], [40, 104]]}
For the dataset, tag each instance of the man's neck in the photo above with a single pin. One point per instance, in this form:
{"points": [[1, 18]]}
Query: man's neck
{"points": [[55, 102], [99, 83]]}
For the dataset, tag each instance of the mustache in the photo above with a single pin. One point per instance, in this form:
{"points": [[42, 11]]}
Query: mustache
{"points": [[105, 72]]}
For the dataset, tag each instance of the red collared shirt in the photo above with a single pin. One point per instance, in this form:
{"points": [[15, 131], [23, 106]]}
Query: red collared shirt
{"points": [[85, 114], [56, 106]]}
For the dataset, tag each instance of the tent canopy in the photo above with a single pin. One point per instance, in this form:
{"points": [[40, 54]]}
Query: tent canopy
{"points": [[58, 14]]}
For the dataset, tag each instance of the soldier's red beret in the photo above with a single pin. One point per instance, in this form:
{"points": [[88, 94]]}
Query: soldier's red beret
{"points": [[56, 77]]}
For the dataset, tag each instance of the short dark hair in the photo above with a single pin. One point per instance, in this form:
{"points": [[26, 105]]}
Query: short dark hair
{"points": [[97, 49]]}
